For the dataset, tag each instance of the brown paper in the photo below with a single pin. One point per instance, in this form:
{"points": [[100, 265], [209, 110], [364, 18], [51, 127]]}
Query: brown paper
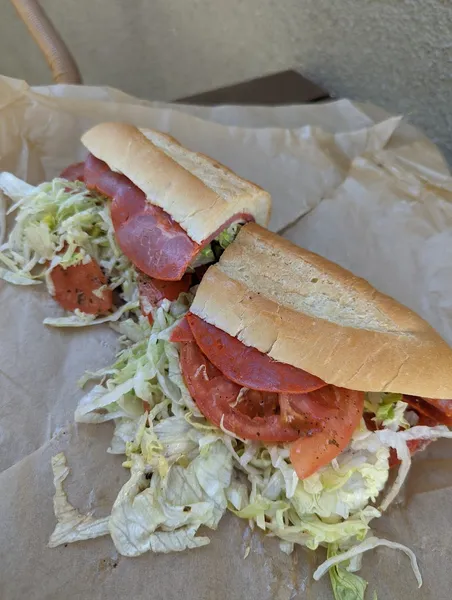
{"points": [[347, 181]]}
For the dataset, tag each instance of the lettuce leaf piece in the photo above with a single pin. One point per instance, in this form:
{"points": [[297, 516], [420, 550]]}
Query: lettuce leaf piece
{"points": [[17, 278], [184, 538], [15, 188], [72, 526], [345, 585], [224, 239], [177, 437], [124, 434], [388, 408], [81, 319], [204, 257], [146, 512], [311, 531], [228, 235], [368, 544]]}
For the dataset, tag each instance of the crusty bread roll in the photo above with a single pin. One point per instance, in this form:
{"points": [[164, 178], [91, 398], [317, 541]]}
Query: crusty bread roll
{"points": [[199, 193], [305, 311]]}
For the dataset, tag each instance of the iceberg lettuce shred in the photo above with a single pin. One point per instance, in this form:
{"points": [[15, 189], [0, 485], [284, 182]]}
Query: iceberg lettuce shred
{"points": [[72, 526], [212, 251], [346, 585]]}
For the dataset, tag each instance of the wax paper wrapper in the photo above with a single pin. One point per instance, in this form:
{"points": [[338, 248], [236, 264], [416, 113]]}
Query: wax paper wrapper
{"points": [[348, 181]]}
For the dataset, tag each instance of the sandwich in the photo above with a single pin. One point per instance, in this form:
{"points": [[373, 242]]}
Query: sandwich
{"points": [[141, 212], [284, 394], [273, 319]]}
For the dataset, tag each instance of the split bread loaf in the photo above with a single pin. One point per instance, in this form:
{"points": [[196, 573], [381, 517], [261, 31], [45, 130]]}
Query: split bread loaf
{"points": [[196, 191], [306, 311]]}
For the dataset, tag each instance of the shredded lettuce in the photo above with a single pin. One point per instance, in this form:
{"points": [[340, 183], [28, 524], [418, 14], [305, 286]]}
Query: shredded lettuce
{"points": [[72, 526], [398, 441], [81, 319], [223, 240], [143, 393], [145, 371], [389, 410], [227, 236], [63, 223], [204, 257], [163, 513], [345, 585], [368, 544], [17, 278]]}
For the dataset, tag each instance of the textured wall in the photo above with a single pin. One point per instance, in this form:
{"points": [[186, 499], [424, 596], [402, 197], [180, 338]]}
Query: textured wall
{"points": [[396, 53]]}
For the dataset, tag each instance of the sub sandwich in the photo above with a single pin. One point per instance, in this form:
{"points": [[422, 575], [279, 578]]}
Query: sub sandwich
{"points": [[140, 210], [296, 341]]}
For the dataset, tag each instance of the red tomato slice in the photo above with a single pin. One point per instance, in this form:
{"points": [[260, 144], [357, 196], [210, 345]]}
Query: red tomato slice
{"points": [[247, 366], [75, 172], [341, 411], [146, 234], [303, 412], [75, 286], [215, 396], [182, 333]]}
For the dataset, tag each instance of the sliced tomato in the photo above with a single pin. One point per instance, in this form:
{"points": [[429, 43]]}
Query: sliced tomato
{"points": [[147, 235], [182, 333], [75, 287], [247, 366], [339, 411], [216, 397], [75, 172], [303, 412]]}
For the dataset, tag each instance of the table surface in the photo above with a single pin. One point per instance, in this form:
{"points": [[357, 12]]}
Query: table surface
{"points": [[286, 87]]}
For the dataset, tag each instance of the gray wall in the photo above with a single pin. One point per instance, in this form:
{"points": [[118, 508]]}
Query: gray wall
{"points": [[396, 53]]}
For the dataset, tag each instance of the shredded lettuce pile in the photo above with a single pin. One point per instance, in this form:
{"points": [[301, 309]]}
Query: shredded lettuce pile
{"points": [[185, 472], [63, 223]]}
